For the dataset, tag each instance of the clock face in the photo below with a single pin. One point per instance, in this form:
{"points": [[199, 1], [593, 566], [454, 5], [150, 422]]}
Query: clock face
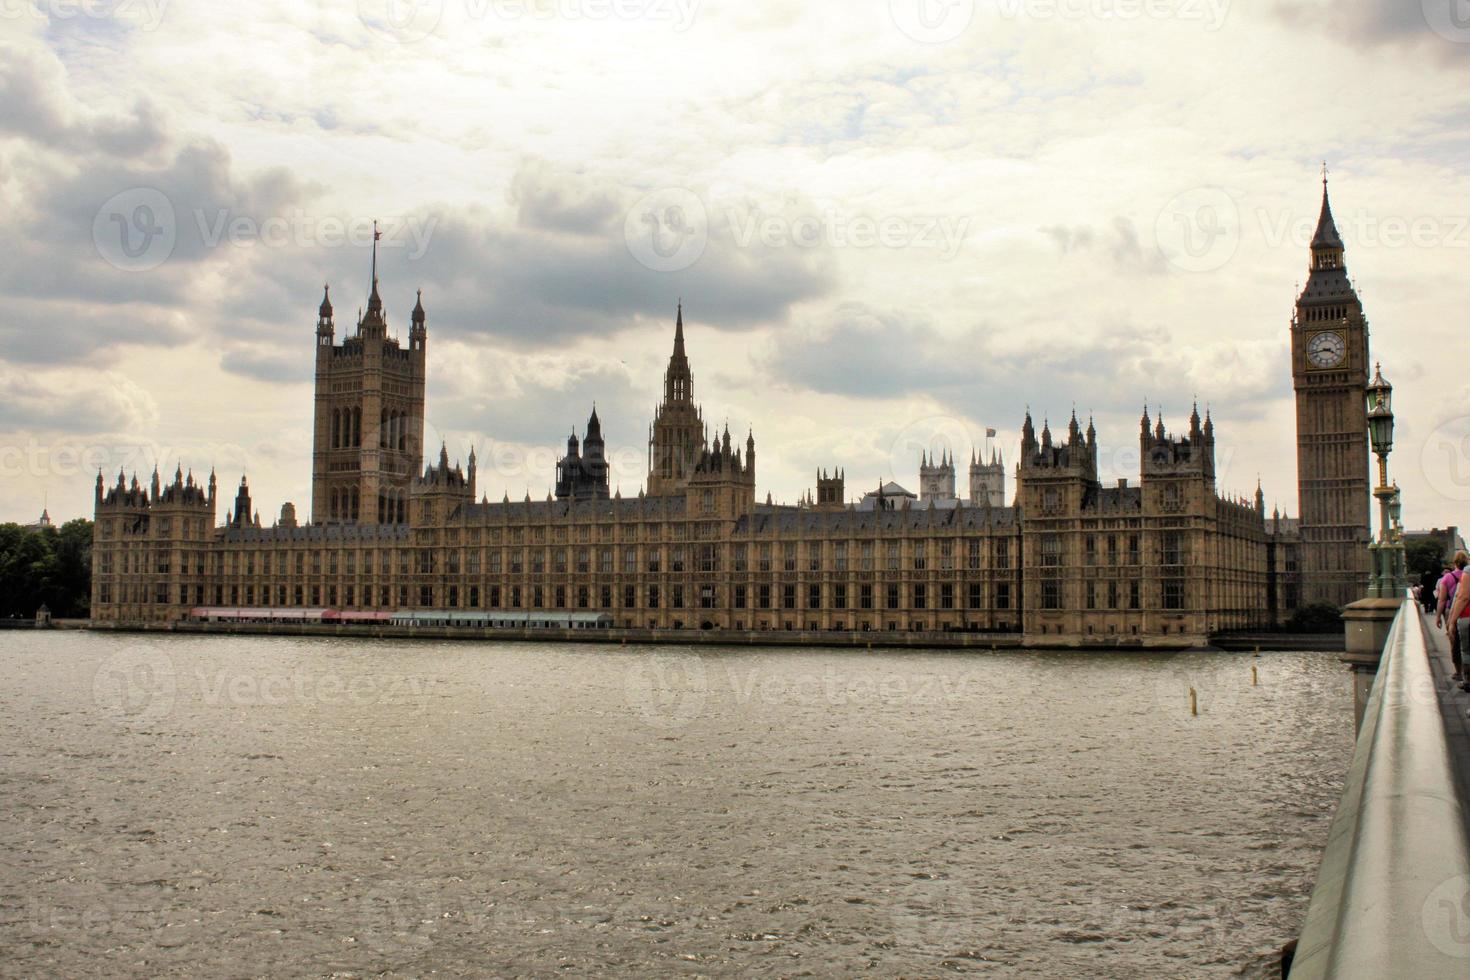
{"points": [[1326, 349]]}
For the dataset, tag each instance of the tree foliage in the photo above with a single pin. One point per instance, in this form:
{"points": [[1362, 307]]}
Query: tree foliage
{"points": [[1423, 555], [52, 566], [1318, 617]]}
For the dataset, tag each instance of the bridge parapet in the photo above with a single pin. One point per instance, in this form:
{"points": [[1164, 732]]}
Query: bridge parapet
{"points": [[1392, 897]]}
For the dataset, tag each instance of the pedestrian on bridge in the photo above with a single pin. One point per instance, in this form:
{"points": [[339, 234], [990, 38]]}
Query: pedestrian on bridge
{"points": [[1454, 616]]}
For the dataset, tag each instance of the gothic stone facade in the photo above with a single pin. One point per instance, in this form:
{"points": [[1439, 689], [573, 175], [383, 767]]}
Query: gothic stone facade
{"points": [[1329, 370], [1069, 560]]}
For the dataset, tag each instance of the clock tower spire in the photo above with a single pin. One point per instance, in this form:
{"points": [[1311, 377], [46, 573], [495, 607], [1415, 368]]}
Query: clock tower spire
{"points": [[1329, 367]]}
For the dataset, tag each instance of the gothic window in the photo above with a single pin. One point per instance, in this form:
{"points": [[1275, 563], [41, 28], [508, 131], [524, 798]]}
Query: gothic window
{"points": [[1051, 594], [1051, 550], [356, 435]]}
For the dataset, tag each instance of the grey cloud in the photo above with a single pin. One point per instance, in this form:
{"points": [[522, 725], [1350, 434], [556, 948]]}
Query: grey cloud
{"points": [[1374, 23], [275, 366], [58, 332], [541, 202], [32, 93], [1120, 240], [863, 353], [103, 405]]}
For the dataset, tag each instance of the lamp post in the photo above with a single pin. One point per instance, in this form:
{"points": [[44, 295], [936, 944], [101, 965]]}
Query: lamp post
{"points": [[1387, 551]]}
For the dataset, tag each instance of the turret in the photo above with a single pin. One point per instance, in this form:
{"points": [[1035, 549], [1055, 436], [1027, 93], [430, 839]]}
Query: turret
{"points": [[325, 330], [242, 509], [418, 332]]}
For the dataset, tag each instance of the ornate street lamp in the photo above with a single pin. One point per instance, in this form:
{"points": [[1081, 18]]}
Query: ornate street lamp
{"points": [[1386, 582]]}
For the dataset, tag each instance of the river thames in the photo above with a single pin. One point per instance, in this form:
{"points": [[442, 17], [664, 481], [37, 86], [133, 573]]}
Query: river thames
{"points": [[223, 807]]}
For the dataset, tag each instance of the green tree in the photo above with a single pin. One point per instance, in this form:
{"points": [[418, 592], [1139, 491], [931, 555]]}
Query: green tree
{"points": [[1424, 555], [52, 566]]}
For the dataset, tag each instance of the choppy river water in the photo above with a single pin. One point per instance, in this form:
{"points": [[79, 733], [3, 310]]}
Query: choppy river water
{"points": [[228, 807]]}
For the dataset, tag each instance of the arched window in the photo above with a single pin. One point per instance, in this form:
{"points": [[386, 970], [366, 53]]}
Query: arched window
{"points": [[357, 427], [354, 503], [402, 432], [336, 428]]}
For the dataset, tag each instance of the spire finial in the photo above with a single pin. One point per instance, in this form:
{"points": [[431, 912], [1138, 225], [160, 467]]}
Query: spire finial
{"points": [[376, 235], [1324, 173]]}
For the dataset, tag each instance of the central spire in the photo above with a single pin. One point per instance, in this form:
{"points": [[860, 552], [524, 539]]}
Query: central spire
{"points": [[678, 380], [1326, 235]]}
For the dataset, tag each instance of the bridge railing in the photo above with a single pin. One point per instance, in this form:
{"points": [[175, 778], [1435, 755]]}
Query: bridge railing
{"points": [[1392, 897]]}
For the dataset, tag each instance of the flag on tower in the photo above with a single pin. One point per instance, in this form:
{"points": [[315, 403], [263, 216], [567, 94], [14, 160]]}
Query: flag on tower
{"points": [[990, 433]]}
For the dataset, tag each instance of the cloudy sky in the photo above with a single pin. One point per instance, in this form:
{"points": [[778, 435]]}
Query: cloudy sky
{"points": [[892, 222]]}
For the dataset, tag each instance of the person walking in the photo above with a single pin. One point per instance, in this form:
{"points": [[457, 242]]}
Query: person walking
{"points": [[1427, 582], [1451, 614]]}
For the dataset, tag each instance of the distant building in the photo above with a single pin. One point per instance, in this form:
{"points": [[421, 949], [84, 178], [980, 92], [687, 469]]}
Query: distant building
{"points": [[41, 523], [1166, 560], [1447, 539]]}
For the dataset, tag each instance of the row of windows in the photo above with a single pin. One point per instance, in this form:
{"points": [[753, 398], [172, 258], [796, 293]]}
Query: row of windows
{"points": [[1112, 595], [704, 558], [764, 596]]}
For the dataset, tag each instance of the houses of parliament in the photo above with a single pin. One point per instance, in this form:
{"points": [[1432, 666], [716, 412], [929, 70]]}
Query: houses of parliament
{"points": [[1166, 559]]}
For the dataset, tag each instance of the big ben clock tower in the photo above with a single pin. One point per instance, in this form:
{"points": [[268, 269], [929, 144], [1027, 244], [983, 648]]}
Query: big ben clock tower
{"points": [[1329, 369]]}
